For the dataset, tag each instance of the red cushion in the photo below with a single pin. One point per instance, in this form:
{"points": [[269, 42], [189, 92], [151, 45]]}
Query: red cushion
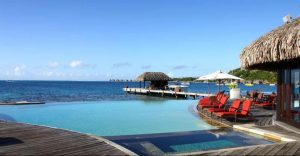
{"points": [[215, 110]]}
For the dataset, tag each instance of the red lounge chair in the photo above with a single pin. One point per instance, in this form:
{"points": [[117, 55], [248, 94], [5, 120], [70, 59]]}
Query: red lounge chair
{"points": [[210, 99], [260, 99], [244, 113], [219, 104], [269, 103], [233, 108]]}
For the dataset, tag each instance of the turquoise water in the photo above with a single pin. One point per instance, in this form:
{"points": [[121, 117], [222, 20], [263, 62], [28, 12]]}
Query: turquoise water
{"points": [[202, 146], [111, 118]]}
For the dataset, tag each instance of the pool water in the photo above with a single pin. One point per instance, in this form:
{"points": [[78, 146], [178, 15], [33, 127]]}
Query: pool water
{"points": [[184, 142], [149, 127], [111, 118]]}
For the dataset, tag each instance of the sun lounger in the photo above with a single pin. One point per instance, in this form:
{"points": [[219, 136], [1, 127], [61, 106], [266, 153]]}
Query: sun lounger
{"points": [[217, 104], [243, 113], [210, 99], [234, 106]]}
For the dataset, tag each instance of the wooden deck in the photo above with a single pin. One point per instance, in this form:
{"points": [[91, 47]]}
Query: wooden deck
{"points": [[164, 93], [25, 139], [290, 148], [284, 148]]}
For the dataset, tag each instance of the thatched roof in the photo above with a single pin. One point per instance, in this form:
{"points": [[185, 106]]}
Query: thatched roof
{"points": [[153, 76], [276, 47]]}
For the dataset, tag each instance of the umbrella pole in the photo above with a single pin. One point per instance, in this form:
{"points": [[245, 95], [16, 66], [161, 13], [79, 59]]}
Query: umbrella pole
{"points": [[208, 88], [219, 84]]}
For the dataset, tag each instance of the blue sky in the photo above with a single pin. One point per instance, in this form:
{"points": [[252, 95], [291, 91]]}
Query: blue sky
{"points": [[110, 39]]}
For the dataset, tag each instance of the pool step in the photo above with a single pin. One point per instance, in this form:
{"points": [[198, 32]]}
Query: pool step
{"points": [[152, 149]]}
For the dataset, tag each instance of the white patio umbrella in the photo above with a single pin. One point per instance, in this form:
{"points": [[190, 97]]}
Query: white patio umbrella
{"points": [[219, 75]]}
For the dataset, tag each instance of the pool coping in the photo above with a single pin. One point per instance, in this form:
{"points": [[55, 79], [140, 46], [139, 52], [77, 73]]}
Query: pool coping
{"points": [[213, 152], [265, 133]]}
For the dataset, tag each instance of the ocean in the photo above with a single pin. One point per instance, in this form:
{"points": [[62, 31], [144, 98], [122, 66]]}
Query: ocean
{"points": [[72, 91]]}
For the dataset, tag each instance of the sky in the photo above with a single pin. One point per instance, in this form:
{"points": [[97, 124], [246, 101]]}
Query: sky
{"points": [[98, 40]]}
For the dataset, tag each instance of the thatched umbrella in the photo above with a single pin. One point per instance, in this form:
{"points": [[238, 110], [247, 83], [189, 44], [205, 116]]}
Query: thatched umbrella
{"points": [[153, 77], [273, 49]]}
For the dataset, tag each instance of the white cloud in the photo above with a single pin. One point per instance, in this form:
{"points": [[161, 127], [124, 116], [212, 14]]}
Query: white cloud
{"points": [[121, 64], [19, 70], [180, 67], [53, 64], [170, 74], [48, 74], [76, 64], [146, 67], [108, 75]]}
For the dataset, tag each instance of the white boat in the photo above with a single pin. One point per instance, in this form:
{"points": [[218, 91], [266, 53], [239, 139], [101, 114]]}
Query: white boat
{"points": [[178, 88], [185, 83], [272, 84]]}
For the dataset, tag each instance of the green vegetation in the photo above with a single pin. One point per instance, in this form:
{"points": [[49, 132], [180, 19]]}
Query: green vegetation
{"points": [[252, 75], [248, 75], [232, 85], [185, 79]]}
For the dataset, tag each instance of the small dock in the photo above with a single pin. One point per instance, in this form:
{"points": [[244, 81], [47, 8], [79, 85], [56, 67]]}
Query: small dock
{"points": [[164, 93], [22, 103], [25, 139]]}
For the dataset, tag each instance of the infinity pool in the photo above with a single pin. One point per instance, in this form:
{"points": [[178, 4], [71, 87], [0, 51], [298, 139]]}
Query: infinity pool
{"points": [[111, 118], [151, 127]]}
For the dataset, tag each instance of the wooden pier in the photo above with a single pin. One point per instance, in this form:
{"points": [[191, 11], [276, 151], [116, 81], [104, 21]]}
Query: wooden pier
{"points": [[164, 93], [25, 139], [22, 103]]}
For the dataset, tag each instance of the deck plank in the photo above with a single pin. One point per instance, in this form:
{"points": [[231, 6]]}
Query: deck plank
{"points": [[25, 139], [286, 148], [269, 149], [293, 150]]}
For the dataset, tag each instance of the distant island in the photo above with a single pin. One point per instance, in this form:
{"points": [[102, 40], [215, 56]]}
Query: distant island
{"points": [[248, 75], [255, 75]]}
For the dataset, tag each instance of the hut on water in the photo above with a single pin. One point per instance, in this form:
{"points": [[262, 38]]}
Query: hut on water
{"points": [[158, 80], [279, 50]]}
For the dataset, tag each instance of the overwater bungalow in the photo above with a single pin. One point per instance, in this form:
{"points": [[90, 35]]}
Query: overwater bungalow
{"points": [[159, 87], [279, 50], [158, 80]]}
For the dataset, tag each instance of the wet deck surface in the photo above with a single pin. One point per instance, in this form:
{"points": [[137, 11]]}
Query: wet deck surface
{"points": [[24, 139]]}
